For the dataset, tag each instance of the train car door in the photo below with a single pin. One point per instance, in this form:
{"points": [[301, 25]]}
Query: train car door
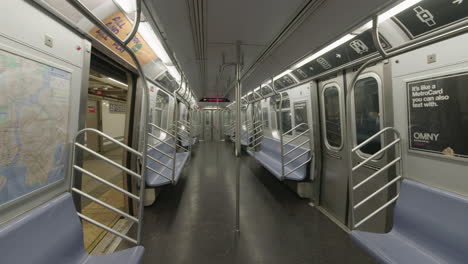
{"points": [[216, 125], [334, 179], [371, 111], [207, 125]]}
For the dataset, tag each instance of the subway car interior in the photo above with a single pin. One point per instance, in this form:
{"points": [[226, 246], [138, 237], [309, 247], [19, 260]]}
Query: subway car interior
{"points": [[221, 131]]}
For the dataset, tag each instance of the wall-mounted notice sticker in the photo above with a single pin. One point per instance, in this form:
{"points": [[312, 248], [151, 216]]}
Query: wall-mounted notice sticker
{"points": [[438, 115], [121, 26], [91, 109]]}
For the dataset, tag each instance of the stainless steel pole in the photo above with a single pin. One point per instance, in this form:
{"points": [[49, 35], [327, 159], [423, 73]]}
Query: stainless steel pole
{"points": [[238, 134], [238, 111]]}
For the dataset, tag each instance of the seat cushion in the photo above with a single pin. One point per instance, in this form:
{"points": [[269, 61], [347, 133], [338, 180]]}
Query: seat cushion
{"points": [[429, 227], [52, 233], [392, 248], [270, 157], [128, 256], [181, 160], [154, 179], [434, 219]]}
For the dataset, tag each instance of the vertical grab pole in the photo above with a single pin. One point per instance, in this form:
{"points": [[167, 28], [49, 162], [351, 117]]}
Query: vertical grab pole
{"points": [[280, 125], [238, 132], [175, 118]]}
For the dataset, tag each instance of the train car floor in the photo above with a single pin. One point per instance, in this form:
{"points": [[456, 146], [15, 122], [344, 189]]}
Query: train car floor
{"points": [[193, 222]]}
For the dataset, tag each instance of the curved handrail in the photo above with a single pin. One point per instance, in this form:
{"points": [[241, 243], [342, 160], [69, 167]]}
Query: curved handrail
{"points": [[294, 128], [109, 138], [367, 141]]}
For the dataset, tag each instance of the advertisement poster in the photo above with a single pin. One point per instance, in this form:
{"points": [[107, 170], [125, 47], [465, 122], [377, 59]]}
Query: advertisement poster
{"points": [[438, 115]]}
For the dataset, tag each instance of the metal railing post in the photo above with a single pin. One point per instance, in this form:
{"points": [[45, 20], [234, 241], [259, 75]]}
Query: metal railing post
{"points": [[175, 119]]}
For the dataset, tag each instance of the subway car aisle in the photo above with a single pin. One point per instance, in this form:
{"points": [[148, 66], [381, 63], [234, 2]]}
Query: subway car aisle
{"points": [[194, 221]]}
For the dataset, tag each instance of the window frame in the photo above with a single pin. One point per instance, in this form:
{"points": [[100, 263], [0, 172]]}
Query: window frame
{"points": [[381, 113], [341, 110]]}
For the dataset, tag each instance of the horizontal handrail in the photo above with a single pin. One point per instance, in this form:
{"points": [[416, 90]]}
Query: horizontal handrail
{"points": [[398, 159], [377, 192], [296, 147], [258, 133], [183, 148], [157, 172], [367, 141], [384, 168], [160, 140], [97, 178], [396, 141], [162, 152], [377, 211], [108, 229], [298, 167], [161, 163], [184, 122], [294, 128], [295, 158], [162, 129], [110, 139], [113, 163], [296, 137], [257, 139], [106, 205], [256, 145]]}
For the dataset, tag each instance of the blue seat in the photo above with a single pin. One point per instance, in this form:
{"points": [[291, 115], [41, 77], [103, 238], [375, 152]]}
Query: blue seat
{"points": [[52, 233], [164, 177], [270, 157], [430, 226]]}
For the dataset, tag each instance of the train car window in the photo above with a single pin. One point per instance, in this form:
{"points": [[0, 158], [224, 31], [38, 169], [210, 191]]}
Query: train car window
{"points": [[207, 118], [272, 107], [283, 107], [367, 113], [300, 116], [283, 104], [161, 109], [332, 111], [265, 117], [266, 90], [286, 121]]}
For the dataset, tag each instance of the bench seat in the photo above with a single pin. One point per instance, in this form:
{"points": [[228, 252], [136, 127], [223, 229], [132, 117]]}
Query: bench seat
{"points": [[270, 157], [52, 233], [154, 179], [429, 227]]}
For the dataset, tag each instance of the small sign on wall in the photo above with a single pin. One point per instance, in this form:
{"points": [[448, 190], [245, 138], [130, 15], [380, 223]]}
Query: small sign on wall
{"points": [[91, 109], [438, 115], [117, 108]]}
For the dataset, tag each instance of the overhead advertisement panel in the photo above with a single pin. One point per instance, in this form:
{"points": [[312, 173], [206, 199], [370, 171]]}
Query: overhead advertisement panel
{"points": [[284, 81], [360, 46], [429, 15], [438, 115], [121, 26]]}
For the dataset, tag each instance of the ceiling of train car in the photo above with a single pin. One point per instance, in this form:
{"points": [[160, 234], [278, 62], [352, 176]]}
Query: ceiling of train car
{"points": [[202, 32]]}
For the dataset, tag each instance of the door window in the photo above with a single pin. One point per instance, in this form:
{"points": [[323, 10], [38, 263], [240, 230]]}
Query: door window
{"points": [[300, 116], [332, 111], [367, 113]]}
